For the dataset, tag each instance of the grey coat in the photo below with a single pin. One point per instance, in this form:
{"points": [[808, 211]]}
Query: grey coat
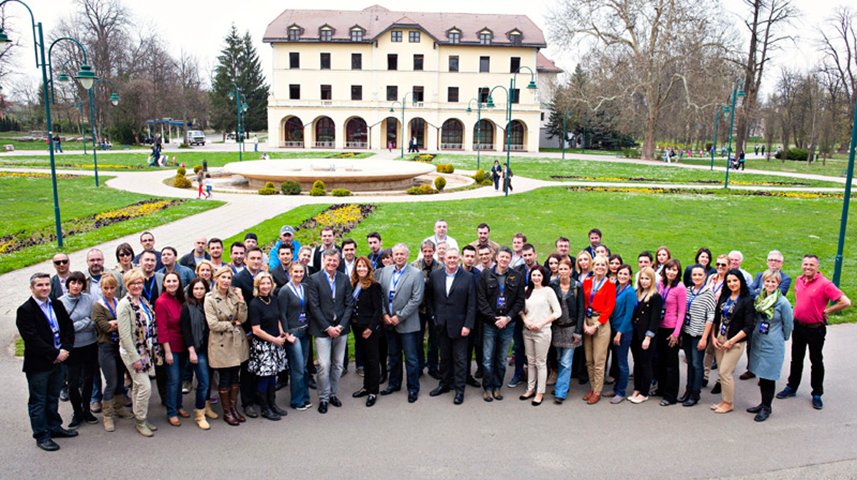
{"points": [[79, 308], [768, 351], [407, 299]]}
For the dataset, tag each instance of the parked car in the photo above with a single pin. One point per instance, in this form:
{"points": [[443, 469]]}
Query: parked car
{"points": [[195, 137]]}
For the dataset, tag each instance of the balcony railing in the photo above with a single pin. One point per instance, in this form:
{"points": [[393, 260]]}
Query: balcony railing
{"points": [[324, 144], [483, 146], [516, 148], [298, 144], [451, 146], [356, 145]]}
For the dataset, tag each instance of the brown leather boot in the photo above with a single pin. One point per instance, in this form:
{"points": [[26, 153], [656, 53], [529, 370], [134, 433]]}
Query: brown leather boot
{"points": [[226, 401], [233, 401]]}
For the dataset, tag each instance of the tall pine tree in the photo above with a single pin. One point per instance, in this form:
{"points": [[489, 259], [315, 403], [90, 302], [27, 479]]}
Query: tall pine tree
{"points": [[239, 63]]}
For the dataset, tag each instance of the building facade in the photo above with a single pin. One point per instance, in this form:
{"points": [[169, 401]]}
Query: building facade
{"points": [[338, 74]]}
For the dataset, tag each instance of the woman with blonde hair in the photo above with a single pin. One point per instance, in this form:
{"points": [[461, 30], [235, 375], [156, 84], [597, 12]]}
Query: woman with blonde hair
{"points": [[582, 267], [646, 320], [716, 282], [205, 270], [138, 346], [366, 323], [267, 355], [225, 312], [599, 297], [104, 315]]}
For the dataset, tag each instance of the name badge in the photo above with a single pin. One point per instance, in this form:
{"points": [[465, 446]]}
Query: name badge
{"points": [[686, 319], [501, 302], [392, 294], [663, 313], [589, 311], [764, 326], [723, 329], [302, 320]]}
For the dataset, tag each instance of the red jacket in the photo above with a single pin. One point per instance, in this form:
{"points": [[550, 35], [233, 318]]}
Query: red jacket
{"points": [[604, 300]]}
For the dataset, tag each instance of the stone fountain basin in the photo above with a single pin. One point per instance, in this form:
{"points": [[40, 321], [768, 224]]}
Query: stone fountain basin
{"points": [[352, 174]]}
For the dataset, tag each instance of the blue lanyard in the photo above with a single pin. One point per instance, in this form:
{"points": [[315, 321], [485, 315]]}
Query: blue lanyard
{"points": [[357, 291], [623, 289], [585, 276], [729, 303], [299, 295], [332, 283], [595, 290], [55, 329], [718, 287], [502, 285], [112, 312], [397, 275], [148, 291], [527, 278], [149, 315], [375, 262], [693, 296], [235, 270], [665, 293]]}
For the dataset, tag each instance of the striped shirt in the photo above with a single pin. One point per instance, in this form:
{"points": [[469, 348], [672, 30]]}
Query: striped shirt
{"points": [[700, 309]]}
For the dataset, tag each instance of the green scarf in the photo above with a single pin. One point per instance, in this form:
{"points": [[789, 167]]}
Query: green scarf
{"points": [[765, 302]]}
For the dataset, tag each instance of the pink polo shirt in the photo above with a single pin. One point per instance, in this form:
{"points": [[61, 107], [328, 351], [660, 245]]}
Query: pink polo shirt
{"points": [[812, 296]]}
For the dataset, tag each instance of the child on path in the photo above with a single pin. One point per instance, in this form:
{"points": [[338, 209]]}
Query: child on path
{"points": [[207, 185]]}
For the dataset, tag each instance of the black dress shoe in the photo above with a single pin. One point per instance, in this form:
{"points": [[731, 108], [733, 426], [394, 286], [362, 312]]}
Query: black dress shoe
{"points": [[334, 401], [389, 390], [478, 374], [63, 433], [536, 404], [360, 393], [250, 411], [48, 445], [371, 400], [756, 409], [473, 382], [322, 407], [412, 397], [704, 382], [684, 397], [438, 391], [383, 378], [717, 388], [763, 414], [459, 399], [434, 374], [64, 393]]}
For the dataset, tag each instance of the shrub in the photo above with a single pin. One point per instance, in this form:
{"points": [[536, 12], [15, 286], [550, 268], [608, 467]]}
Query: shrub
{"points": [[798, 154], [480, 175], [197, 168], [182, 182], [270, 185], [317, 192], [440, 168], [450, 168], [291, 187], [318, 185], [631, 153], [439, 183], [422, 190], [340, 192], [487, 182], [181, 172], [267, 191]]}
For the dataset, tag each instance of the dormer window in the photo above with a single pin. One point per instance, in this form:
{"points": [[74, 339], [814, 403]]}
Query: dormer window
{"points": [[356, 34], [454, 35], [325, 34], [515, 38], [485, 37], [294, 33]]}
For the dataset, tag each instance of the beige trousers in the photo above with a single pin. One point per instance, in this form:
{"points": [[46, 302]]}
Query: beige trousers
{"points": [[537, 344], [727, 360], [141, 389], [595, 347]]}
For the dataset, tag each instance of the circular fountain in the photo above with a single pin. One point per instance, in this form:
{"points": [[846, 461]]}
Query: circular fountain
{"points": [[357, 175]]}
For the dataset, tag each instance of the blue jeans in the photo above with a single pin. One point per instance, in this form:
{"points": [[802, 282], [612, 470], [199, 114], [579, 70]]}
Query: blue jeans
{"points": [[298, 353], [518, 350], [174, 383], [202, 379], [620, 356], [43, 403], [694, 357], [408, 343], [495, 347], [113, 370], [97, 393], [563, 379]]}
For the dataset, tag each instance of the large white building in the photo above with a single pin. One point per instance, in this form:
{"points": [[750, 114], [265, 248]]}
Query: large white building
{"points": [[337, 74]]}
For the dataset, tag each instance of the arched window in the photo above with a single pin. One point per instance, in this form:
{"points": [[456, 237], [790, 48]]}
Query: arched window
{"points": [[355, 133], [452, 135], [293, 133], [325, 133], [483, 135]]}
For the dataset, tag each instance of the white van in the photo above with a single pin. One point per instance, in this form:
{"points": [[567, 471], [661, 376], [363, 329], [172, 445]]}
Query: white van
{"points": [[196, 137]]}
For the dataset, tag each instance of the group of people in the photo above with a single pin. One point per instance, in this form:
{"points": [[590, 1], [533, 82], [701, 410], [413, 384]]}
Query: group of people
{"points": [[253, 323]]}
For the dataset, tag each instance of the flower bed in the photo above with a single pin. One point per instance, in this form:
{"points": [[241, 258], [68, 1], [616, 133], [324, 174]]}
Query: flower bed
{"points": [[343, 155], [342, 217], [704, 182], [28, 238], [424, 157], [35, 175], [693, 191]]}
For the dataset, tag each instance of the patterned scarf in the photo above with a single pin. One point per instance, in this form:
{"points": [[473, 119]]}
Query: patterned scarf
{"points": [[766, 302], [146, 338]]}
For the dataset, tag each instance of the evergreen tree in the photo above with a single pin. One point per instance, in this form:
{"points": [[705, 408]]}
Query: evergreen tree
{"points": [[239, 63]]}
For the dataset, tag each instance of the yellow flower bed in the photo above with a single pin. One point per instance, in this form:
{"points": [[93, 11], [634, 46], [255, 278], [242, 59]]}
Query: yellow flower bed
{"points": [[133, 211], [347, 214], [34, 175]]}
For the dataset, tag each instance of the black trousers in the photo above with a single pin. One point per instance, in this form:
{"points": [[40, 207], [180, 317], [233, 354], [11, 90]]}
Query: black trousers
{"points": [[453, 360], [310, 360], [803, 337], [368, 350], [578, 365], [767, 388], [382, 350], [82, 367], [248, 383], [668, 371], [474, 343], [642, 365], [161, 382]]}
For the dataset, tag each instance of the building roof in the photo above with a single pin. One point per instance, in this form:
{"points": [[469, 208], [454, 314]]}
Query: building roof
{"points": [[546, 65], [376, 20]]}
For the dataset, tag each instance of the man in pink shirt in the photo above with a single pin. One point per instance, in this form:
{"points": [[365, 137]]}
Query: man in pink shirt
{"points": [[813, 293]]}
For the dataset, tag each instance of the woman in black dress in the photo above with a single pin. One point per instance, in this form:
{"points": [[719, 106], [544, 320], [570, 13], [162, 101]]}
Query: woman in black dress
{"points": [[365, 323], [267, 355]]}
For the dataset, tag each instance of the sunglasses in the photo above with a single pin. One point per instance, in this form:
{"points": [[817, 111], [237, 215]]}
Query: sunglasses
{"points": [[60, 262], [124, 254], [722, 265]]}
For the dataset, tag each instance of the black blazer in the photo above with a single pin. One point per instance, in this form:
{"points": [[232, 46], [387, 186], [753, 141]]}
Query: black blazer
{"points": [[56, 288], [322, 306], [281, 278], [489, 289], [647, 316], [574, 303], [39, 351], [244, 280], [456, 310], [742, 316], [189, 262], [369, 307]]}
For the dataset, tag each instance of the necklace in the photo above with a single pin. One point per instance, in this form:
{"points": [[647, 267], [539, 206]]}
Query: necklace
{"points": [[262, 299]]}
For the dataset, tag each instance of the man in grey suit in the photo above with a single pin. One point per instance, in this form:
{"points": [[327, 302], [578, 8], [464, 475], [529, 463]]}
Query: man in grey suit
{"points": [[330, 305], [403, 287]]}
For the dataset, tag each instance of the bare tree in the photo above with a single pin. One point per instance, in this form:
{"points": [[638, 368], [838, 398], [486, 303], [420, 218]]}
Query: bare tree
{"points": [[643, 41], [839, 45]]}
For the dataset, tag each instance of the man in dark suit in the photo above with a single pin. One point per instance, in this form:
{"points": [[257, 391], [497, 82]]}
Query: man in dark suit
{"points": [[451, 303], [244, 281], [62, 264], [48, 335], [330, 305], [327, 239], [285, 253], [198, 253]]}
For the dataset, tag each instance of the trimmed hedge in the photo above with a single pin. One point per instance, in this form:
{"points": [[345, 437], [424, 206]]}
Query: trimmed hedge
{"points": [[798, 154], [182, 182], [197, 168], [480, 175], [181, 171], [439, 183], [291, 187], [421, 190], [340, 192], [267, 191]]}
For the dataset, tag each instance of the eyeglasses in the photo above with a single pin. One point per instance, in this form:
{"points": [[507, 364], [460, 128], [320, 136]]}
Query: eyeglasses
{"points": [[60, 262], [775, 260], [138, 283], [123, 254], [721, 265]]}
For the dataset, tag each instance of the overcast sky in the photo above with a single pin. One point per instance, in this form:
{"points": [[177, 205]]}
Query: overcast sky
{"points": [[198, 27]]}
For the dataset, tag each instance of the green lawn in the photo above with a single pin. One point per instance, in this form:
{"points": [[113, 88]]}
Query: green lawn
{"points": [[832, 167], [568, 151], [544, 168], [189, 157], [41, 145], [28, 204], [631, 223]]}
